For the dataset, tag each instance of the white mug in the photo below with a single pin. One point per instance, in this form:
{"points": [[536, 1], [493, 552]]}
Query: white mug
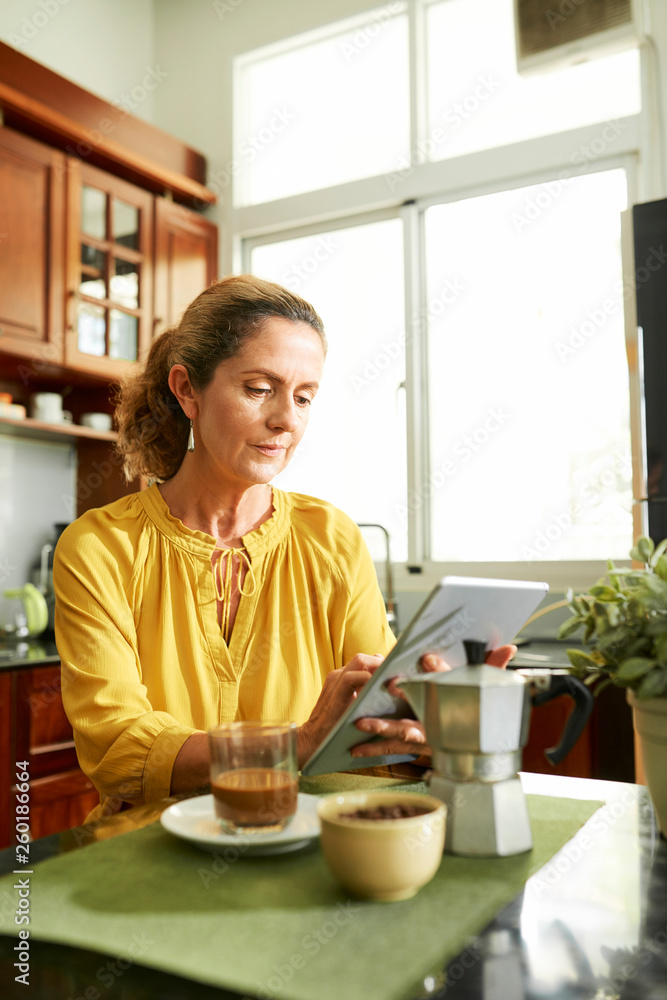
{"points": [[96, 421], [48, 407]]}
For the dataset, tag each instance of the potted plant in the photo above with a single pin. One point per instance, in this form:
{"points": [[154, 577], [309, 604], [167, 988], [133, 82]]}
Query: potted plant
{"points": [[624, 617]]}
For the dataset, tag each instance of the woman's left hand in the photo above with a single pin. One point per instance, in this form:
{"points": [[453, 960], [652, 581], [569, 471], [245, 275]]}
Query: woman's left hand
{"points": [[403, 736]]}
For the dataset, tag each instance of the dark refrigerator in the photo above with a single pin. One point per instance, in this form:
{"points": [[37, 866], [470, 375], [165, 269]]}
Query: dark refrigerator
{"points": [[645, 293]]}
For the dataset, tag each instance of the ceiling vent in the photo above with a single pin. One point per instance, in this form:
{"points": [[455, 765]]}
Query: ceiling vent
{"points": [[551, 32]]}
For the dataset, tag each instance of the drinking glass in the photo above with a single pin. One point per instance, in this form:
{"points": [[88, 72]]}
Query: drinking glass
{"points": [[254, 777]]}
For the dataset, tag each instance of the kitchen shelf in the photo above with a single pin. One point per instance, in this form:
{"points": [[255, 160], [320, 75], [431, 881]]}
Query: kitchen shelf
{"points": [[38, 430]]}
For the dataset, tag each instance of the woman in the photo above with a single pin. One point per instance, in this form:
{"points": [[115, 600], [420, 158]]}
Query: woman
{"points": [[212, 596]]}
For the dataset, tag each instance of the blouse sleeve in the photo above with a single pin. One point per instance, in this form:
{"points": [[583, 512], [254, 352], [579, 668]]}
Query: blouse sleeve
{"points": [[125, 747]]}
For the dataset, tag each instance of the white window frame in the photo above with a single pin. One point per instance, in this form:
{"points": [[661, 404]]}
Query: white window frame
{"points": [[371, 199]]}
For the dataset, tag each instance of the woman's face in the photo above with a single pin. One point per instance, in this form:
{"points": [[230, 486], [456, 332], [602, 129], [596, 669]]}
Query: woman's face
{"points": [[254, 412]]}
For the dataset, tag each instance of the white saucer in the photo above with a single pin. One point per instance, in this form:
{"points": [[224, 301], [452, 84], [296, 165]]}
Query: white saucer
{"points": [[195, 820]]}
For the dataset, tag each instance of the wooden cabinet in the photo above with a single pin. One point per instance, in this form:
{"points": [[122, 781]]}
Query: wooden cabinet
{"points": [[79, 248], [86, 217], [604, 750], [36, 730], [109, 271], [186, 259], [32, 228]]}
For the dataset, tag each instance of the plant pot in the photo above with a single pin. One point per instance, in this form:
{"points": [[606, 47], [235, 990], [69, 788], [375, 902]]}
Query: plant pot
{"points": [[650, 721]]}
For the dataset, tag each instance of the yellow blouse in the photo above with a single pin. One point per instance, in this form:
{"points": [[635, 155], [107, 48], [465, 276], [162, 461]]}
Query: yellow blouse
{"points": [[144, 661]]}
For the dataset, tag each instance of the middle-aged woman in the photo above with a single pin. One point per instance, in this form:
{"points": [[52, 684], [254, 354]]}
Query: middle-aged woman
{"points": [[212, 595]]}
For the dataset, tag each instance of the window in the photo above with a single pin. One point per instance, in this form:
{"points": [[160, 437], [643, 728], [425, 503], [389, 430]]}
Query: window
{"points": [[476, 391], [477, 100], [335, 109], [353, 453], [530, 458]]}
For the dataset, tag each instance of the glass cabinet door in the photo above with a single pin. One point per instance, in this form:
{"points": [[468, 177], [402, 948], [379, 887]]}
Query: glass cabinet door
{"points": [[110, 256]]}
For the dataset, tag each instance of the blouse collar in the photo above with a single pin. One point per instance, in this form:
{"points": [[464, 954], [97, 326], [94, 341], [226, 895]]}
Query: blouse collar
{"points": [[262, 539]]}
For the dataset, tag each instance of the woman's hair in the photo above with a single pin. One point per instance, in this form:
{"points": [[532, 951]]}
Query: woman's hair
{"points": [[152, 428]]}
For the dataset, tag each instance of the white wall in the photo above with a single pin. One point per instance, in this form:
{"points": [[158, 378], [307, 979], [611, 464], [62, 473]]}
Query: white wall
{"points": [[197, 106], [105, 46]]}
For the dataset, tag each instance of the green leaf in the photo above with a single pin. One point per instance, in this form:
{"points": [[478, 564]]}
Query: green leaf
{"points": [[602, 685], [569, 627], [661, 567], [657, 625], [581, 660], [660, 646], [642, 550], [659, 552], [634, 668], [606, 594], [653, 685]]}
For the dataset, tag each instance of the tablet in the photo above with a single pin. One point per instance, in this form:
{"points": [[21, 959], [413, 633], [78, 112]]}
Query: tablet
{"points": [[458, 608]]}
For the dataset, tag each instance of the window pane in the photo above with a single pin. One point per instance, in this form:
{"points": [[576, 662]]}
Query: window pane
{"points": [[477, 100], [93, 212], [93, 272], [529, 408], [126, 224], [91, 329], [125, 283], [122, 336], [353, 453], [326, 112]]}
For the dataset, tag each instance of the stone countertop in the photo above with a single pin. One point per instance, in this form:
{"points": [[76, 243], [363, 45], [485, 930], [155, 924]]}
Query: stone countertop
{"points": [[544, 653], [31, 653], [591, 923]]}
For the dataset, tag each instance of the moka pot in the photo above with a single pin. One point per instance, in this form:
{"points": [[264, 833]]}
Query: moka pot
{"points": [[477, 720]]}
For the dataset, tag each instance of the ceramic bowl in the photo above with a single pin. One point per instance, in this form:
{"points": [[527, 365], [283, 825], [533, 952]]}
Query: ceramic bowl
{"points": [[382, 859]]}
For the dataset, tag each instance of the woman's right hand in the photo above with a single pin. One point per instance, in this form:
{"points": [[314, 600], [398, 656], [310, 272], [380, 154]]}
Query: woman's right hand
{"points": [[339, 690]]}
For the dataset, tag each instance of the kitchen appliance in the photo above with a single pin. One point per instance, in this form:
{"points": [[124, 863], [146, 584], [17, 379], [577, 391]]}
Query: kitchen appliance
{"points": [[477, 720], [644, 234], [23, 613], [41, 574]]}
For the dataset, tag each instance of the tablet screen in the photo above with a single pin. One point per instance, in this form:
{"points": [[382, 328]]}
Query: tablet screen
{"points": [[458, 608]]}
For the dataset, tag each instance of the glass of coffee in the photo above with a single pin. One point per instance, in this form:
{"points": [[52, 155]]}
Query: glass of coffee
{"points": [[254, 777]]}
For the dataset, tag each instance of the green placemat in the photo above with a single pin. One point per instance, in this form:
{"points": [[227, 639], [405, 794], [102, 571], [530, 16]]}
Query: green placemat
{"points": [[277, 926]]}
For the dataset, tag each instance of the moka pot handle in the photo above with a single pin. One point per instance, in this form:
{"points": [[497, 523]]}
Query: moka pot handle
{"points": [[583, 706]]}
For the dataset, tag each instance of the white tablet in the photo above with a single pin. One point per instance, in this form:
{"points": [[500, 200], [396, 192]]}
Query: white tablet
{"points": [[458, 608]]}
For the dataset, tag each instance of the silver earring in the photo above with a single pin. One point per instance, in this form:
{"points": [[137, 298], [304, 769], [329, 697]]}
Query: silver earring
{"points": [[191, 439]]}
